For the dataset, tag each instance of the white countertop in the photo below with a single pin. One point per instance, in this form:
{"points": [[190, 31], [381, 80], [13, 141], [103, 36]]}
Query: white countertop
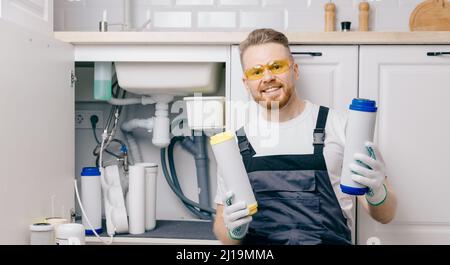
{"points": [[102, 38]]}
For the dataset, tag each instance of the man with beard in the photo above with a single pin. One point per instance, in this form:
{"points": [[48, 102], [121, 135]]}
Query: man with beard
{"points": [[296, 181]]}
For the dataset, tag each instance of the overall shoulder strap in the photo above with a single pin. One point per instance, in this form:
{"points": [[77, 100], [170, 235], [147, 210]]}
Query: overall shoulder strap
{"points": [[245, 147], [319, 131]]}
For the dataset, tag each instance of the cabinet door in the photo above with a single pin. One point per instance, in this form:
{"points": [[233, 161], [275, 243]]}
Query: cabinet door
{"points": [[412, 91], [330, 78], [37, 130]]}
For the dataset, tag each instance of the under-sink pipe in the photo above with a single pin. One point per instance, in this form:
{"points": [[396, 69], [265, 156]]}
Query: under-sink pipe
{"points": [[197, 147], [161, 131], [130, 125], [127, 129], [134, 152], [132, 101], [160, 123]]}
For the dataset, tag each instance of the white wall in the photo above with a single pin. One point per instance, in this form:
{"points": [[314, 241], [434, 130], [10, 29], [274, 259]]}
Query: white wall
{"points": [[230, 15], [36, 15]]}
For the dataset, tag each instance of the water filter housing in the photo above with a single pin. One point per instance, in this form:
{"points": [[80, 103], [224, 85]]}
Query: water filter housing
{"points": [[232, 169], [91, 197], [360, 129]]}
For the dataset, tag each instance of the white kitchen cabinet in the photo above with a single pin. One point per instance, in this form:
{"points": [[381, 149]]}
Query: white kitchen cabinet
{"points": [[412, 91], [328, 76], [37, 130]]}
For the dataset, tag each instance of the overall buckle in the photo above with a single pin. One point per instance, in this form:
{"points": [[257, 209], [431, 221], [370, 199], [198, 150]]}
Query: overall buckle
{"points": [[319, 136]]}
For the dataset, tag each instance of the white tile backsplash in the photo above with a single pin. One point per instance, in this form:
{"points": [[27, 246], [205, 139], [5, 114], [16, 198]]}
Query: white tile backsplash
{"points": [[92, 16], [285, 3], [194, 2], [409, 3], [383, 22], [239, 2], [104, 3], [316, 4], [172, 20], [216, 20], [343, 4], [192, 15], [385, 4], [304, 20], [68, 4], [263, 19], [159, 2]]}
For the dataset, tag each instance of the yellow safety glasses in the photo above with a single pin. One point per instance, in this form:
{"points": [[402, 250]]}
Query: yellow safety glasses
{"points": [[275, 67]]}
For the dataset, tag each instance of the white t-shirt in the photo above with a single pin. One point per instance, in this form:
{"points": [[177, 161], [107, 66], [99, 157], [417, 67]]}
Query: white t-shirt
{"points": [[295, 136]]}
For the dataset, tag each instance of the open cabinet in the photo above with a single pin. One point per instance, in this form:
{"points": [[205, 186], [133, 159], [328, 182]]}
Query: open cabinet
{"points": [[37, 132], [37, 74]]}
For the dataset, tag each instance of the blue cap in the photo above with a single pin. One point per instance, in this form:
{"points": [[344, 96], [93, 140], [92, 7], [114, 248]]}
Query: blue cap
{"points": [[362, 104], [90, 171], [353, 190], [89, 232]]}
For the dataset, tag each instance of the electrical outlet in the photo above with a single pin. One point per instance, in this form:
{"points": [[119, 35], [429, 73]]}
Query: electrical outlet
{"points": [[83, 119]]}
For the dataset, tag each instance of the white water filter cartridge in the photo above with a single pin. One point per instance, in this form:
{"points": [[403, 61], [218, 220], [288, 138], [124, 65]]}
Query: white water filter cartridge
{"points": [[91, 198], [232, 169], [151, 171], [360, 128], [136, 199]]}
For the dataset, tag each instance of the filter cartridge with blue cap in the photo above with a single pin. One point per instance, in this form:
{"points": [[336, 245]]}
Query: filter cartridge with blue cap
{"points": [[91, 198], [360, 129]]}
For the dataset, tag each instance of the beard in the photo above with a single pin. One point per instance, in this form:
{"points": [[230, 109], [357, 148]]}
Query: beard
{"points": [[276, 99]]}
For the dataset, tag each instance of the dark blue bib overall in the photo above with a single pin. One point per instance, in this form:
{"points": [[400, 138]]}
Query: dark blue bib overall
{"points": [[296, 202]]}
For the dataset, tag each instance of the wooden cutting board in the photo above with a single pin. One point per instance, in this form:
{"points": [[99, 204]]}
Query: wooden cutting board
{"points": [[431, 15]]}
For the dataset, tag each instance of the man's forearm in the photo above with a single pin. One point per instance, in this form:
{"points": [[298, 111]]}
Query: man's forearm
{"points": [[220, 230], [222, 234], [385, 212]]}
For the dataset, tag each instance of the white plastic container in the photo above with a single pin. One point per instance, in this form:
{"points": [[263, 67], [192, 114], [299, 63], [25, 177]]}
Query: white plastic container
{"points": [[70, 234], [205, 112], [360, 128], [91, 198], [232, 169], [102, 80], [151, 172], [55, 221], [136, 199], [42, 234]]}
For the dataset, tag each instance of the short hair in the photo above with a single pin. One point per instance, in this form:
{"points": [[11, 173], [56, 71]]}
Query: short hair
{"points": [[263, 36]]}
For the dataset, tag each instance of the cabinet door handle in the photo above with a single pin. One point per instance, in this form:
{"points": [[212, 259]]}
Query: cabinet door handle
{"points": [[437, 53], [307, 53]]}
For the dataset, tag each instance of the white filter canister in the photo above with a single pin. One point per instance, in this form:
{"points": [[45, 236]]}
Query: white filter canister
{"points": [[70, 234], [360, 128], [42, 234], [151, 172], [91, 198], [136, 197], [232, 169]]}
